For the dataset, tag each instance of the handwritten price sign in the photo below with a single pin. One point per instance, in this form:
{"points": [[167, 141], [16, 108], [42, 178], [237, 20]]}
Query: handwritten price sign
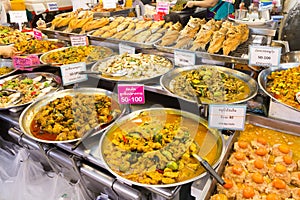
{"points": [[23, 62]]}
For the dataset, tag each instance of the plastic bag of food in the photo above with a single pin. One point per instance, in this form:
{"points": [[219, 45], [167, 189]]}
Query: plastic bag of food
{"points": [[23, 178]]}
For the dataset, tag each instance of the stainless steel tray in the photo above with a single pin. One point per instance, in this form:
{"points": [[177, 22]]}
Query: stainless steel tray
{"points": [[123, 12], [153, 112], [234, 57], [28, 114], [138, 45], [125, 79], [262, 79], [273, 124], [165, 80], [56, 86], [90, 61]]}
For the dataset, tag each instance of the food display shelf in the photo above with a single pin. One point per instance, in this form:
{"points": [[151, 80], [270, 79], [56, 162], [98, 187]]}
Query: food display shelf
{"points": [[123, 12], [204, 191]]}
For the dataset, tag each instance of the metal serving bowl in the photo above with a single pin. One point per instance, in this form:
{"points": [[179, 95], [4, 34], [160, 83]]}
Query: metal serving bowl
{"points": [[7, 63], [28, 114], [212, 142], [263, 79], [166, 80]]}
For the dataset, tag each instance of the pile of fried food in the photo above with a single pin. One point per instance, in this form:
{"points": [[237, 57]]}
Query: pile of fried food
{"points": [[69, 117], [35, 46], [198, 34], [265, 165], [284, 84], [133, 29]]}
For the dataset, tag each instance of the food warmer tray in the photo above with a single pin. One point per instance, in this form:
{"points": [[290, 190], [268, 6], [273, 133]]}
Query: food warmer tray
{"points": [[59, 34], [123, 12], [204, 191], [139, 45]]}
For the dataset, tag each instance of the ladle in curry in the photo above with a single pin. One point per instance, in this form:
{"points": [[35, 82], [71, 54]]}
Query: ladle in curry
{"points": [[96, 128], [209, 169], [116, 74]]}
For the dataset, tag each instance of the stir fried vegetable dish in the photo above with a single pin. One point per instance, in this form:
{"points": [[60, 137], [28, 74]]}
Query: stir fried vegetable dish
{"points": [[4, 70], [284, 85], [157, 149], [37, 46], [21, 89], [137, 66], [76, 54], [13, 36], [210, 86], [69, 117]]}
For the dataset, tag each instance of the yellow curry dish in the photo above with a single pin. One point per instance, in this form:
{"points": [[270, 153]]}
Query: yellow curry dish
{"points": [[69, 117], [155, 148]]}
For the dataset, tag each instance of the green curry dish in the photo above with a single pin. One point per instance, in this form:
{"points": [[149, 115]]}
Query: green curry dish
{"points": [[210, 86]]}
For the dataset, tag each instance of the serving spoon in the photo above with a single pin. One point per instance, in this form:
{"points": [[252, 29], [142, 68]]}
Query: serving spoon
{"points": [[118, 73]]}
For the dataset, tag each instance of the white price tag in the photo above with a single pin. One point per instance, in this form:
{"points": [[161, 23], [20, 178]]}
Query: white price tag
{"points": [[52, 6], [230, 117], [182, 58], [107, 4], [264, 56], [79, 40], [18, 16], [38, 8], [70, 73], [123, 48], [163, 7]]}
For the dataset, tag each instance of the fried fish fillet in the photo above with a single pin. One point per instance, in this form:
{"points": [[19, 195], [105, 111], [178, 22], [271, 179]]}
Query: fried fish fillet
{"points": [[96, 23]]}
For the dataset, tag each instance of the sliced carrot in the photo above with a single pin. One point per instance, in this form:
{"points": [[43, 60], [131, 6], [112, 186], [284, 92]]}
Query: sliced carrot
{"points": [[280, 168], [287, 159], [257, 178], [261, 151], [248, 192], [278, 183], [237, 169], [228, 183], [262, 141], [284, 148], [259, 163], [243, 144]]}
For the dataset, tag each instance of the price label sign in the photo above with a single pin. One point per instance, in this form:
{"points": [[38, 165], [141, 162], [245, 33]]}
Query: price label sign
{"points": [[18, 16], [52, 6], [182, 58], [230, 117], [79, 40], [23, 62], [131, 94], [70, 73], [264, 56], [107, 4], [37, 34], [123, 48], [163, 7]]}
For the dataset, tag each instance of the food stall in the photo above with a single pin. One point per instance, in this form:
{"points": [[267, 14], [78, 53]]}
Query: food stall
{"points": [[76, 109]]}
